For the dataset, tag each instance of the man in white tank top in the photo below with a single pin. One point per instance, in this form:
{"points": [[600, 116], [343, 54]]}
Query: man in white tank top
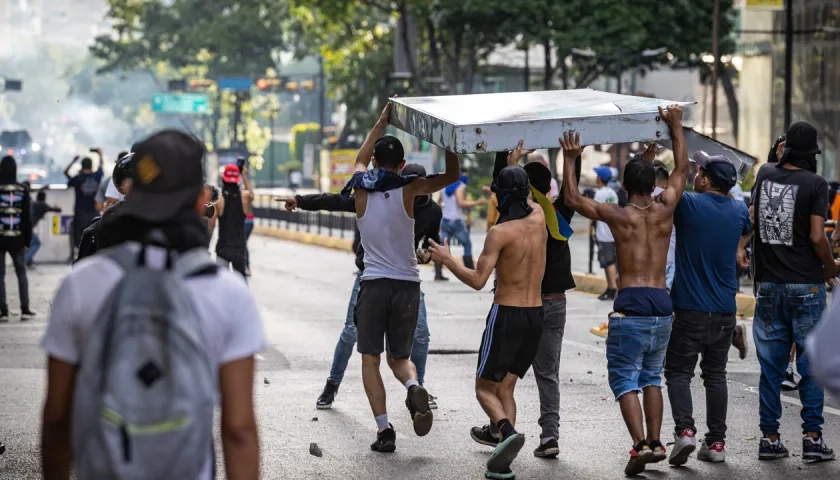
{"points": [[389, 295]]}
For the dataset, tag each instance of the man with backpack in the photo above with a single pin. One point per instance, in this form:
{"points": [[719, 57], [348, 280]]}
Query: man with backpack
{"points": [[186, 332]]}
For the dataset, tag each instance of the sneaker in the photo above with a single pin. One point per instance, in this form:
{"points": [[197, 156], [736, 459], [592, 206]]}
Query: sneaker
{"points": [[815, 449], [549, 449], [2, 448], [739, 340], [601, 330], [790, 382], [441, 279], [659, 452], [386, 440], [640, 455], [684, 444], [770, 450], [4, 317], [417, 402], [506, 475], [484, 436], [26, 314], [327, 397], [505, 453], [713, 453]]}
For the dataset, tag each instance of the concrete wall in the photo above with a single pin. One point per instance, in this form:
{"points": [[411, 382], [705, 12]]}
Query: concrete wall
{"points": [[755, 93]]}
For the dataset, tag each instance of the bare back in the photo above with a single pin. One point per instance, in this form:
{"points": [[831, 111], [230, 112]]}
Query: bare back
{"points": [[521, 263], [642, 237]]}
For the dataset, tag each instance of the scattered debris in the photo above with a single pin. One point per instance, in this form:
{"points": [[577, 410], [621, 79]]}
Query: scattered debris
{"points": [[603, 399], [265, 381], [314, 419], [589, 372], [749, 439], [578, 354], [571, 381], [315, 450]]}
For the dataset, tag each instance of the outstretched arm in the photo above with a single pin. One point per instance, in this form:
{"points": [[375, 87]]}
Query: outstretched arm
{"points": [[477, 278], [676, 182], [366, 152], [585, 206]]}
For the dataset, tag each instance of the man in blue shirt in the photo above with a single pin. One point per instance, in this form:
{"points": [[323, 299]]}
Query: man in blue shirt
{"points": [[709, 227]]}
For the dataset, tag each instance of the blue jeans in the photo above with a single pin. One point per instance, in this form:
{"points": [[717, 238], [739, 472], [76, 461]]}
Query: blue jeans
{"points": [[29, 254], [785, 314], [636, 349], [457, 229], [347, 339]]}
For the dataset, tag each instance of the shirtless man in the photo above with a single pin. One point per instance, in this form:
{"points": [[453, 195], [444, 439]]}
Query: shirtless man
{"points": [[640, 326], [515, 247]]}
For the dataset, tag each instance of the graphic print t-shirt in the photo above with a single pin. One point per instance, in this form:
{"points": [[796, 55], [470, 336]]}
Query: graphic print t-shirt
{"points": [[86, 186], [784, 202]]}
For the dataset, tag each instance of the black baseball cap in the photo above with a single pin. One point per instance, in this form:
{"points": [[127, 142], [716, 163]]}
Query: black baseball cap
{"points": [[718, 168], [414, 169], [388, 150], [167, 176], [801, 137]]}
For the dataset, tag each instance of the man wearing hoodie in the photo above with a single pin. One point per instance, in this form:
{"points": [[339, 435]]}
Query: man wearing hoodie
{"points": [[15, 235], [427, 217]]}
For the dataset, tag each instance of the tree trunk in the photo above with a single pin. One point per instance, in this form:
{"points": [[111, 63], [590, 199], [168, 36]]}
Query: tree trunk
{"points": [[564, 72], [549, 68], [406, 41], [434, 53], [731, 98], [472, 64]]}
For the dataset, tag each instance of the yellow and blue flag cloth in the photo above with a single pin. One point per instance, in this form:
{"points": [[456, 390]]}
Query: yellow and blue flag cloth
{"points": [[557, 226]]}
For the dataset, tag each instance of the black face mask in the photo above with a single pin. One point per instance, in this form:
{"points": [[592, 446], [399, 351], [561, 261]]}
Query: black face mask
{"points": [[805, 161]]}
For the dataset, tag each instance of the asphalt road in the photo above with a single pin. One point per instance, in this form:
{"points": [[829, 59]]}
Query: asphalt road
{"points": [[303, 293]]}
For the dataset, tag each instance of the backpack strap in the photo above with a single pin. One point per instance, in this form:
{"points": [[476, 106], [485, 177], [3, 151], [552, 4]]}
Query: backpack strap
{"points": [[122, 255], [194, 262]]}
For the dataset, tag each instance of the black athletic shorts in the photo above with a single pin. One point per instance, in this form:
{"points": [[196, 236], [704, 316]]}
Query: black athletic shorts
{"points": [[510, 341], [606, 254], [388, 309]]}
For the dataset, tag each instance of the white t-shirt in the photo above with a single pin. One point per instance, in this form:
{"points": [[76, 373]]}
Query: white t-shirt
{"points": [[233, 326], [555, 190], [602, 231], [112, 191]]}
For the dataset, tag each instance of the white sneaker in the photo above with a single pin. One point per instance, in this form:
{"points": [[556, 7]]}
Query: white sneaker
{"points": [[684, 444], [712, 453]]}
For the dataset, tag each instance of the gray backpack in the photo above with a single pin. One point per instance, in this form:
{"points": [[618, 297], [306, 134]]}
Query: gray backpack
{"points": [[146, 387]]}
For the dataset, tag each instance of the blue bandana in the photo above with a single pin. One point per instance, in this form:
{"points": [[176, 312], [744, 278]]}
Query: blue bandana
{"points": [[451, 189], [376, 180]]}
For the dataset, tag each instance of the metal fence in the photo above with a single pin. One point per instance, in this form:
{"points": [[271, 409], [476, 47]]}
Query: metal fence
{"points": [[271, 213]]}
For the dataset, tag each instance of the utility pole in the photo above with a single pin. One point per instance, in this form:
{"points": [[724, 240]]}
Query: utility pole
{"points": [[322, 100], [716, 54], [273, 167], [788, 62]]}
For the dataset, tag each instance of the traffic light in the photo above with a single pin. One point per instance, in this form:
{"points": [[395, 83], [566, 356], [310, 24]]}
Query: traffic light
{"points": [[292, 86], [268, 84], [308, 84], [199, 83], [177, 85]]}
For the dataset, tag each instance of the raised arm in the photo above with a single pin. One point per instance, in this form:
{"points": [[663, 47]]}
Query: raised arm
{"points": [[430, 185], [585, 206], [506, 159], [366, 152], [67, 170], [676, 182], [477, 278]]}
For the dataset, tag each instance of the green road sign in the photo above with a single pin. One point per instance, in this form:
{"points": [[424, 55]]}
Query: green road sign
{"points": [[186, 103]]}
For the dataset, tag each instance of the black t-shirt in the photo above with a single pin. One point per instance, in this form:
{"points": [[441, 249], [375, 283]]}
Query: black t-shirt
{"points": [[86, 185], [784, 202], [231, 223]]}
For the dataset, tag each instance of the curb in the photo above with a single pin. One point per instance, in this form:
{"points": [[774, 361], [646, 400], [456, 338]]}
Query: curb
{"points": [[597, 284], [585, 282]]}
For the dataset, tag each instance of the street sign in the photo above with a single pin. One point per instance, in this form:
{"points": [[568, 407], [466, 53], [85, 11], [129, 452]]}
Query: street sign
{"points": [[237, 84], [766, 4], [187, 103]]}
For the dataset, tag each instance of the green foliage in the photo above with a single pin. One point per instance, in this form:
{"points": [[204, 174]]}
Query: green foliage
{"points": [[302, 134]]}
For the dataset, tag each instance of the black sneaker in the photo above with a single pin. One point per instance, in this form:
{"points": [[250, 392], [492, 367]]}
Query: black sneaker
{"points": [[26, 314], [608, 295], [770, 450], [4, 317], [441, 279], [790, 384], [2, 448], [417, 402], [549, 449], [327, 397], [816, 449], [484, 436], [386, 441]]}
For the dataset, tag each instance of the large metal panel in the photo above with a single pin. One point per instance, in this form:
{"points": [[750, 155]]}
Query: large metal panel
{"points": [[497, 121], [697, 141]]}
